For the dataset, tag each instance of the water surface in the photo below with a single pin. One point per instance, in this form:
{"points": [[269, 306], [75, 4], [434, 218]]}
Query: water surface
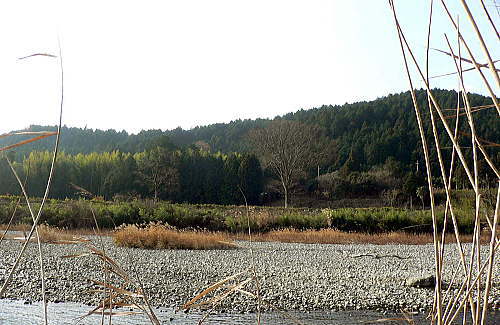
{"points": [[14, 312]]}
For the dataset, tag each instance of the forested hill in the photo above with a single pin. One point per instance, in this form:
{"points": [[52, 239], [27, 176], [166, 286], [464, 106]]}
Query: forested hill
{"points": [[368, 131]]}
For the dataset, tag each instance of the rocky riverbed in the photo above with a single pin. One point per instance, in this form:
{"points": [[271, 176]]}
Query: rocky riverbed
{"points": [[301, 277]]}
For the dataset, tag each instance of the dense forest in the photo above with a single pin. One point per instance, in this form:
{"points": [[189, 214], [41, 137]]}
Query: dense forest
{"points": [[188, 175], [373, 148]]}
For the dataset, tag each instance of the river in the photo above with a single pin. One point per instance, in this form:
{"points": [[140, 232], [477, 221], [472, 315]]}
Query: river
{"points": [[15, 312]]}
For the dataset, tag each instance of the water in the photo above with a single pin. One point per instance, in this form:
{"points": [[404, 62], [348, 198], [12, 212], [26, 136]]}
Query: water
{"points": [[14, 312]]}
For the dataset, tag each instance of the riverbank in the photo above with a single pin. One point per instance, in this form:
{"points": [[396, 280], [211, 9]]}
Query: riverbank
{"points": [[301, 277], [14, 312]]}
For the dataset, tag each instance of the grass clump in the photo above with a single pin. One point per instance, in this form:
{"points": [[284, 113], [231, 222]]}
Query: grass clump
{"points": [[50, 234], [160, 236]]}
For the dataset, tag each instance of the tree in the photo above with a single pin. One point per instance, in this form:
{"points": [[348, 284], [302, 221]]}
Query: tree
{"points": [[421, 192], [156, 171], [411, 185], [8, 183], [250, 175], [288, 148], [121, 178], [230, 191]]}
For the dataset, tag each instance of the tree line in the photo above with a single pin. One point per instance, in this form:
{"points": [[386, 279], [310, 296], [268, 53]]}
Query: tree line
{"points": [[369, 131], [351, 150], [177, 175]]}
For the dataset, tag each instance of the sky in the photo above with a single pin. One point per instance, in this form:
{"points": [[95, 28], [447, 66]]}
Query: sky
{"points": [[133, 65]]}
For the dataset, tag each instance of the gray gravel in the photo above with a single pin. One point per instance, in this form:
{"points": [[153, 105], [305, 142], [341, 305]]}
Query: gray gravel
{"points": [[301, 277]]}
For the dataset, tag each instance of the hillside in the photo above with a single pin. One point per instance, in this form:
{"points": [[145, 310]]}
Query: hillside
{"points": [[372, 131]]}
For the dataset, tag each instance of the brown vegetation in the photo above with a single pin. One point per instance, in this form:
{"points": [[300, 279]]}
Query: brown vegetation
{"points": [[50, 234], [54, 235], [331, 236], [161, 236], [18, 227]]}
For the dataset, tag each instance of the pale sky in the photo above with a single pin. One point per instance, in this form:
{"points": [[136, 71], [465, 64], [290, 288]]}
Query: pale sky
{"points": [[136, 65]]}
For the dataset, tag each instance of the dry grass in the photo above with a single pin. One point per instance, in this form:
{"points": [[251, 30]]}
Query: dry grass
{"points": [[48, 234], [160, 236], [117, 291], [54, 232], [17, 227], [331, 236], [54, 235]]}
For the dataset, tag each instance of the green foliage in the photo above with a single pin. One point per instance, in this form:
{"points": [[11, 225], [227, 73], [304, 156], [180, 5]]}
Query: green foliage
{"points": [[375, 220], [379, 129], [300, 221], [156, 171], [181, 176], [368, 142], [77, 214], [357, 184], [411, 184], [251, 178]]}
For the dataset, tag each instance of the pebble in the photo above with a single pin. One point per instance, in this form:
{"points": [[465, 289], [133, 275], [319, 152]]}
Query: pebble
{"points": [[306, 277]]}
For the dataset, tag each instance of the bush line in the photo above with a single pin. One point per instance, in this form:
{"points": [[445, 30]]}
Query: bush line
{"points": [[72, 214]]}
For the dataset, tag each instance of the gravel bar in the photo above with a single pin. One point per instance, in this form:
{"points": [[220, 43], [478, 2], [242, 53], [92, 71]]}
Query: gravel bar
{"points": [[302, 277]]}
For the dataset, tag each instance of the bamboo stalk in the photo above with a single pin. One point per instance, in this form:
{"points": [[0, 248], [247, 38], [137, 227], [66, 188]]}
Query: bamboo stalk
{"points": [[448, 306], [481, 65], [475, 311], [27, 133], [453, 73], [438, 108], [473, 110], [475, 267]]}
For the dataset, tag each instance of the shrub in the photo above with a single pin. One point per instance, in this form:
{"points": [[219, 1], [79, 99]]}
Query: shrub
{"points": [[77, 214], [159, 236]]}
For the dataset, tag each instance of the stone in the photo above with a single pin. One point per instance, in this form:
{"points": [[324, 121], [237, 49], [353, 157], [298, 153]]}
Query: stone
{"points": [[423, 281]]}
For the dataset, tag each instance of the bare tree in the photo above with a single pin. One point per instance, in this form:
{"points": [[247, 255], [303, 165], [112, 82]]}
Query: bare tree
{"points": [[156, 171], [288, 148]]}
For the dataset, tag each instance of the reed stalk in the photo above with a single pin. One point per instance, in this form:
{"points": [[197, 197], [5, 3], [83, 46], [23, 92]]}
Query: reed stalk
{"points": [[429, 176], [475, 270], [38, 239], [10, 220], [36, 218], [252, 258], [473, 60]]}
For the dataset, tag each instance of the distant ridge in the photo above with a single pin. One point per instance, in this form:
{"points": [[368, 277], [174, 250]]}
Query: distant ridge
{"points": [[372, 131]]}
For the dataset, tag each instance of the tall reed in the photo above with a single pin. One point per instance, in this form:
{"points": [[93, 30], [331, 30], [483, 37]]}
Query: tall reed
{"points": [[474, 293], [36, 217]]}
